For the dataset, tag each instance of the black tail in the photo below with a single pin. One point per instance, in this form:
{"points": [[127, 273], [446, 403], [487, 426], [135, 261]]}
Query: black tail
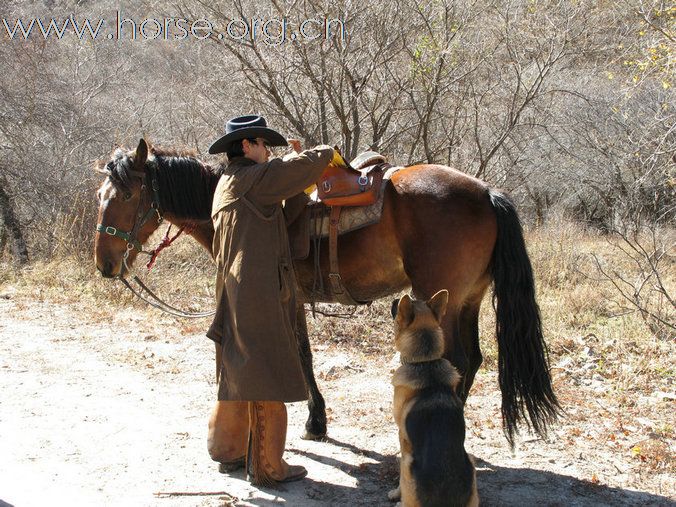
{"points": [[523, 364]]}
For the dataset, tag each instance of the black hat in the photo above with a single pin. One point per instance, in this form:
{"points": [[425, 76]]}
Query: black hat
{"points": [[246, 127]]}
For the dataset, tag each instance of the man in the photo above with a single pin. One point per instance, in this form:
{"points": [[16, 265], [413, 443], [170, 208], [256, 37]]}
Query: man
{"points": [[254, 327]]}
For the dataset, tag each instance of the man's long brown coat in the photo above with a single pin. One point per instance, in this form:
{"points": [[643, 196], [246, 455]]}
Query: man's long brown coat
{"points": [[255, 282]]}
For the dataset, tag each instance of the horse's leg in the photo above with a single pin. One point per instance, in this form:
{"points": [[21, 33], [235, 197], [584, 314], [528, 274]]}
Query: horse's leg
{"points": [[454, 349], [219, 357], [460, 326], [315, 427], [468, 335]]}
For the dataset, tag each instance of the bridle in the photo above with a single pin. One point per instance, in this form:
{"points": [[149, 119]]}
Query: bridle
{"points": [[133, 243], [131, 237]]}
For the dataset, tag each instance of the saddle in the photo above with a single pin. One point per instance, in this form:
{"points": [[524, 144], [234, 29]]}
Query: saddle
{"points": [[355, 184], [348, 197]]}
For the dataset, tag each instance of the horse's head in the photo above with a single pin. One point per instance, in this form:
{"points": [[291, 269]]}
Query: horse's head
{"points": [[128, 209]]}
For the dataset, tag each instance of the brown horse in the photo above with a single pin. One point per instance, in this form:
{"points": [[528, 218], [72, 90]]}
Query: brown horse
{"points": [[440, 229]]}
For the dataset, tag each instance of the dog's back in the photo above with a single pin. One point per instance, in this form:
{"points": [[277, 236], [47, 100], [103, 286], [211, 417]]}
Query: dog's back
{"points": [[435, 469], [441, 469]]}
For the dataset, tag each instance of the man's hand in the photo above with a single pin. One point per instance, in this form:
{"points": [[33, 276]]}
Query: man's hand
{"points": [[295, 145]]}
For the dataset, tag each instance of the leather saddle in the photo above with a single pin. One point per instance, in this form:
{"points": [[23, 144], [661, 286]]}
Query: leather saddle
{"points": [[371, 164], [355, 184]]}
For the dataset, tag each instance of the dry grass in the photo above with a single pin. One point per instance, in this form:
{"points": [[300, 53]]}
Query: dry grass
{"points": [[183, 275], [608, 364], [608, 361]]}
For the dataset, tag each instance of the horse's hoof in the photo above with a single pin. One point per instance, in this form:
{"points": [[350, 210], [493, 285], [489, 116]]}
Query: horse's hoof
{"points": [[310, 435], [231, 466]]}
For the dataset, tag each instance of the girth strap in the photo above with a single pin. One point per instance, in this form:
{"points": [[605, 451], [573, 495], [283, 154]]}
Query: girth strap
{"points": [[337, 288]]}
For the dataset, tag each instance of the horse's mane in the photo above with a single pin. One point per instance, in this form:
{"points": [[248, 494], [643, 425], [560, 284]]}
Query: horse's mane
{"points": [[167, 151], [186, 184], [117, 169]]}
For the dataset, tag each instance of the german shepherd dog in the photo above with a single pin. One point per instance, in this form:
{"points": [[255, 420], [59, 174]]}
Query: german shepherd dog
{"points": [[435, 470]]}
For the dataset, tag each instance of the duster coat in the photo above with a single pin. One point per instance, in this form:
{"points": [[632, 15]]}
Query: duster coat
{"points": [[255, 320]]}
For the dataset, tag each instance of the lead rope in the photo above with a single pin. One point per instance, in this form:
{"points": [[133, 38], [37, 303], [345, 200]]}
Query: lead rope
{"points": [[166, 242], [152, 299]]}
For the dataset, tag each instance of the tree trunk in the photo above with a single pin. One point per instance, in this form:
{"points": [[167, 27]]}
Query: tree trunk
{"points": [[12, 225], [3, 241]]}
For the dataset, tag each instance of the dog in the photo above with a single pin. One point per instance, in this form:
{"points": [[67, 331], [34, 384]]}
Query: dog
{"points": [[435, 470]]}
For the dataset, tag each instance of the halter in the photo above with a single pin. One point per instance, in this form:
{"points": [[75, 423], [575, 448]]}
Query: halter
{"points": [[131, 237]]}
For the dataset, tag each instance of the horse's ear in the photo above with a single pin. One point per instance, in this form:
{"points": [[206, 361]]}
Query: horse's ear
{"points": [[437, 304], [404, 312], [141, 154]]}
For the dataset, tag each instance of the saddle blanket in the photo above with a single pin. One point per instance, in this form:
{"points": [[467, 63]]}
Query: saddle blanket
{"points": [[308, 218], [351, 217]]}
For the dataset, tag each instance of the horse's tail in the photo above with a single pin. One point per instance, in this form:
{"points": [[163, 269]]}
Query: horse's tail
{"points": [[523, 364]]}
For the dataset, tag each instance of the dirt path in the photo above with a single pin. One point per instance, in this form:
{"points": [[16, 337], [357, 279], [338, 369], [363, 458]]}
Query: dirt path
{"points": [[104, 408]]}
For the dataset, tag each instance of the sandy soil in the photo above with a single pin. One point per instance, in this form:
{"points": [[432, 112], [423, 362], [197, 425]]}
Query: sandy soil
{"points": [[103, 407]]}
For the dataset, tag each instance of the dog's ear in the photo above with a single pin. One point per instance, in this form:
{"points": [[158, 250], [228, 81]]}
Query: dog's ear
{"points": [[437, 304], [394, 308], [405, 311]]}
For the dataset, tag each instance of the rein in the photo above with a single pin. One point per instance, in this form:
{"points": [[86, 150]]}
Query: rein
{"points": [[153, 300], [131, 238]]}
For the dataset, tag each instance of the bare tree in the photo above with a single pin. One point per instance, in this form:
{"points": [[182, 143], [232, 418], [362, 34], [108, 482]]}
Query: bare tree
{"points": [[12, 226]]}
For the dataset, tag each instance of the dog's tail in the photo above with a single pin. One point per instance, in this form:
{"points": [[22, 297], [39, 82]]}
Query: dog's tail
{"points": [[523, 365]]}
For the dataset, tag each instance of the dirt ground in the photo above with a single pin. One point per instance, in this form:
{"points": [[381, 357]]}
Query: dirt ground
{"points": [[109, 407]]}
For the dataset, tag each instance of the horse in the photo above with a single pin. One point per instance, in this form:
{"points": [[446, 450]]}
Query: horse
{"points": [[440, 229]]}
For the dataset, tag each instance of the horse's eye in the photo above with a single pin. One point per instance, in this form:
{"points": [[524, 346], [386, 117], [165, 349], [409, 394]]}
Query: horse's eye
{"points": [[126, 196]]}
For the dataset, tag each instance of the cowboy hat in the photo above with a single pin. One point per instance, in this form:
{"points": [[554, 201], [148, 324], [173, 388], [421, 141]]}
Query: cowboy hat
{"points": [[247, 127]]}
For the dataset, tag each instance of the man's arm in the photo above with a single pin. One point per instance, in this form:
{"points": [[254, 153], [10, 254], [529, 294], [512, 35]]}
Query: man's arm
{"points": [[283, 179]]}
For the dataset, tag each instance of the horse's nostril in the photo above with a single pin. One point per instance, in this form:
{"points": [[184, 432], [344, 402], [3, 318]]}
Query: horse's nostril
{"points": [[107, 269]]}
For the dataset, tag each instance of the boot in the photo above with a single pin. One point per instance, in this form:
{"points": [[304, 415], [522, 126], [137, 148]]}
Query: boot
{"points": [[265, 465], [228, 434]]}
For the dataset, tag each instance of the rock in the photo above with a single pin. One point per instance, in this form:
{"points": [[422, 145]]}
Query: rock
{"points": [[664, 396], [564, 363], [644, 422], [335, 366]]}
